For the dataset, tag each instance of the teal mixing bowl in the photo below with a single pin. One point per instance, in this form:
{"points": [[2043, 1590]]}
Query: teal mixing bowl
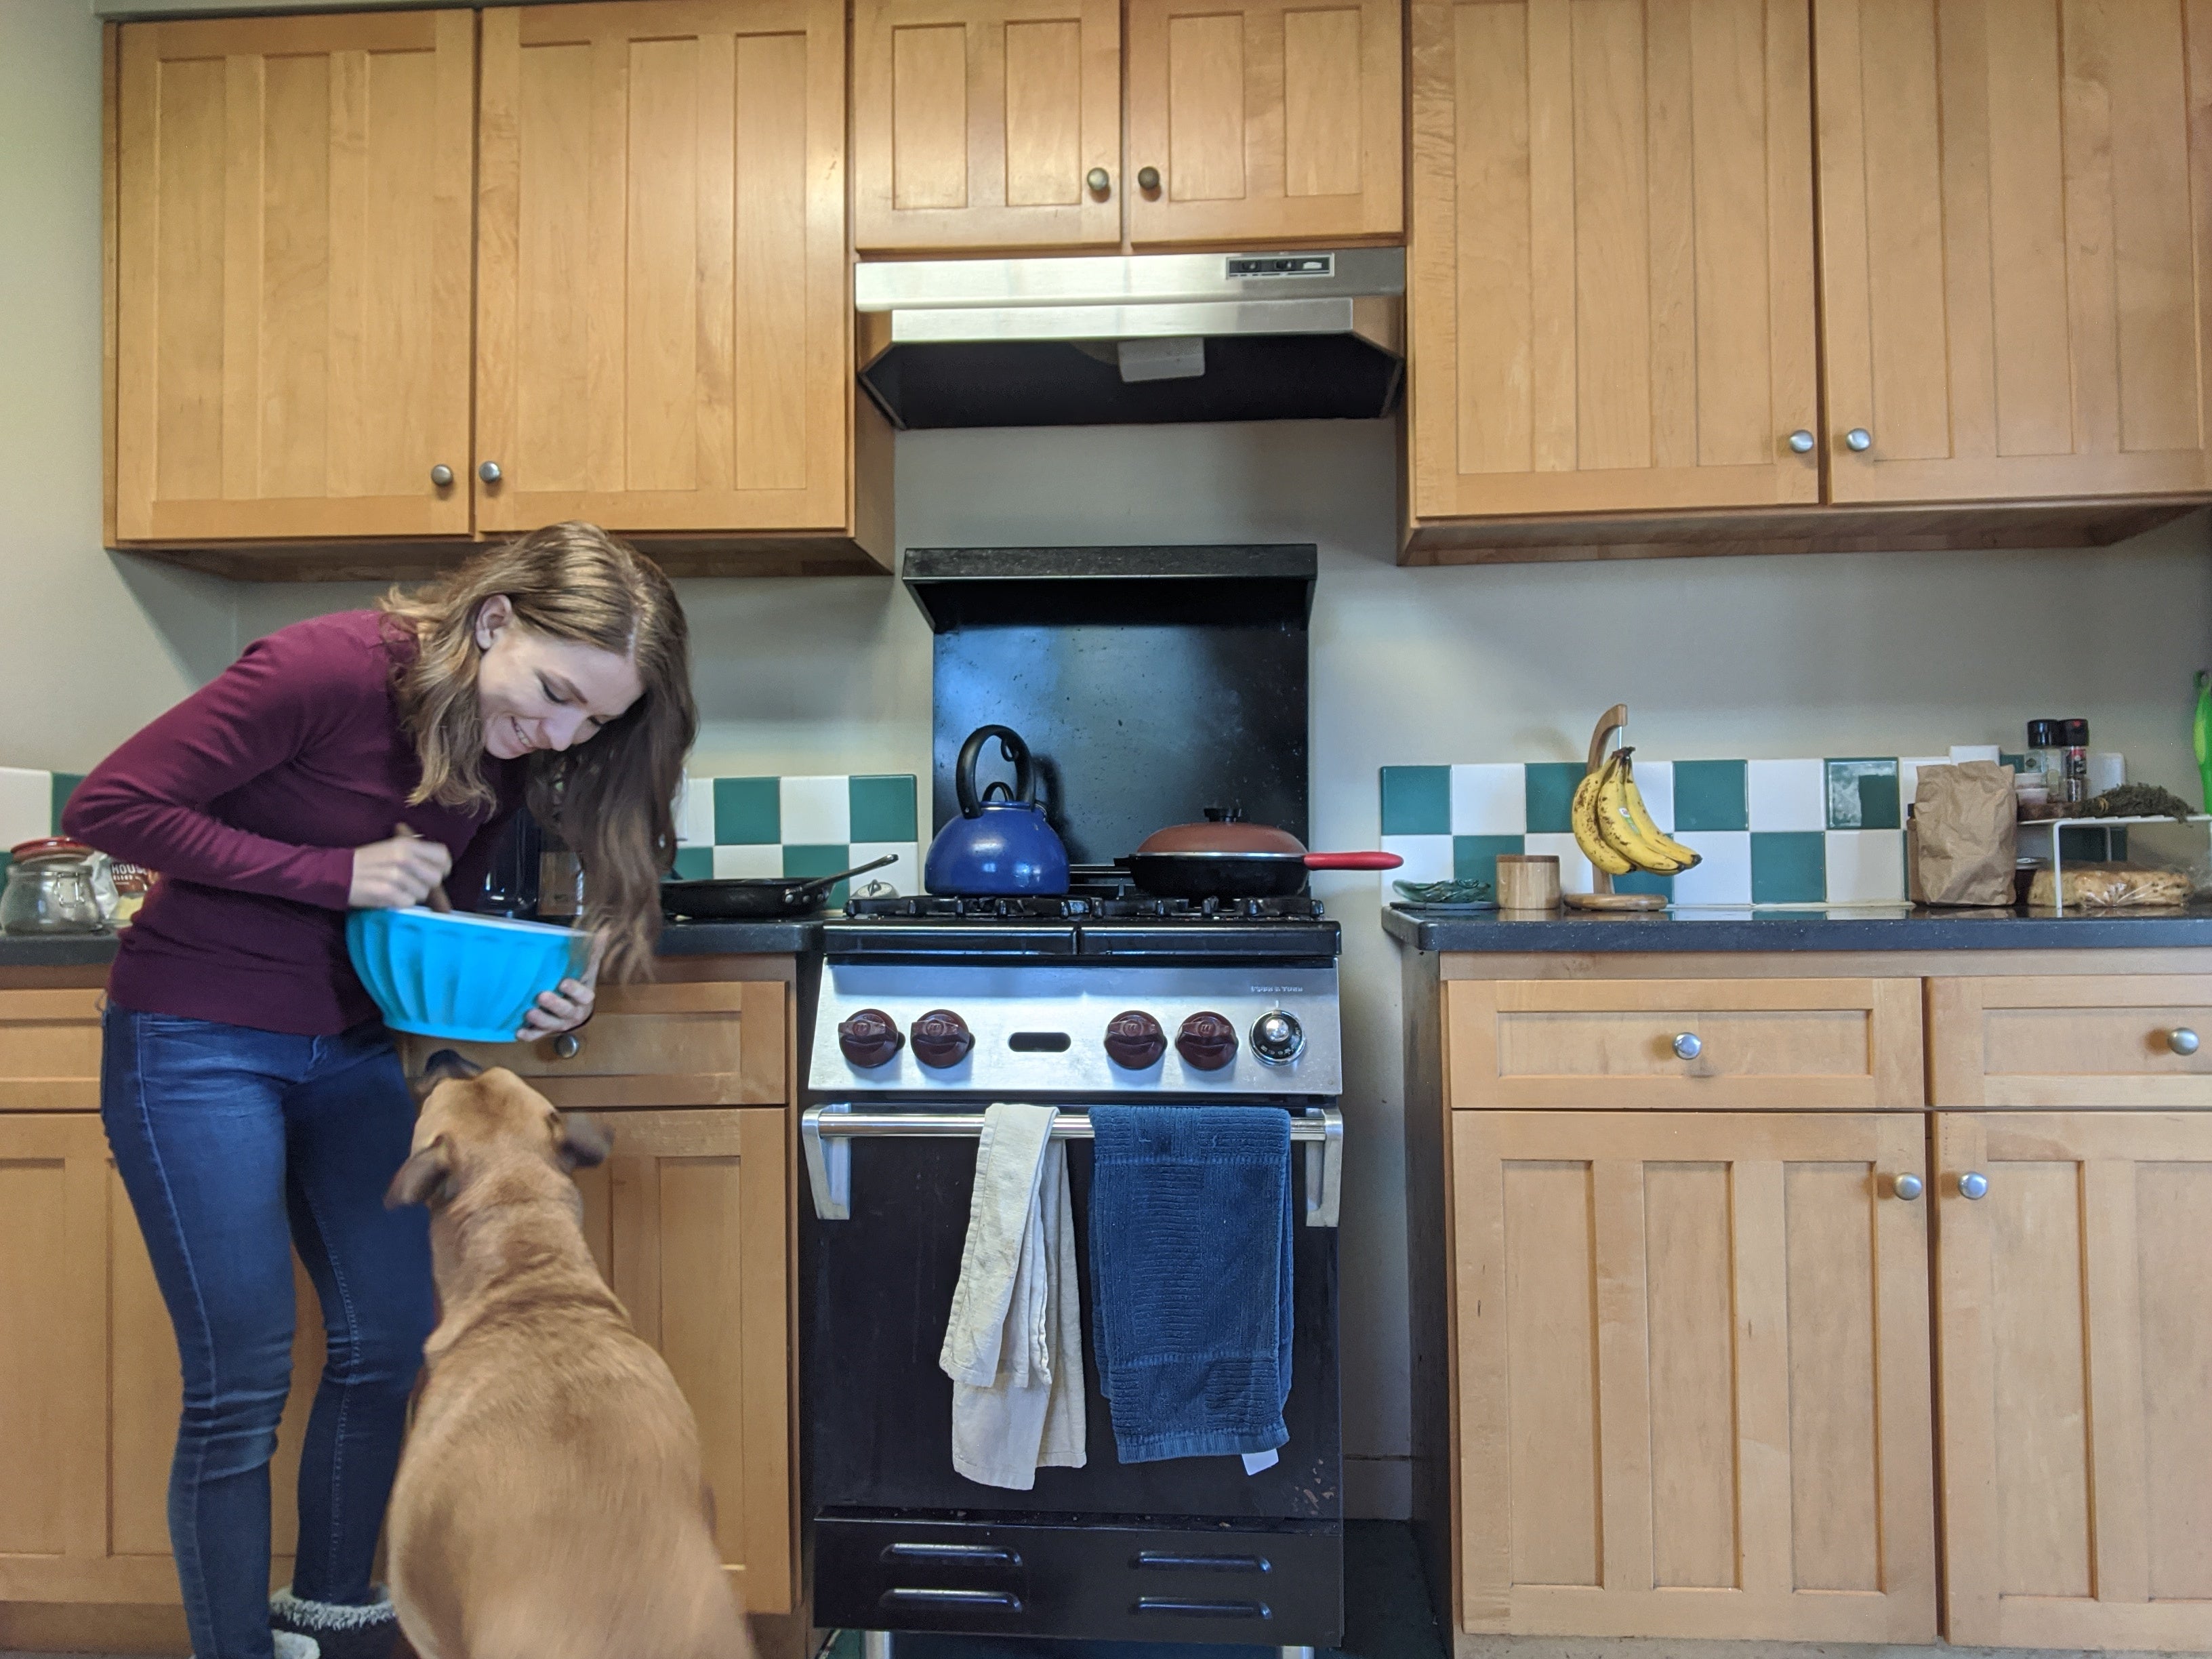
{"points": [[470, 978]]}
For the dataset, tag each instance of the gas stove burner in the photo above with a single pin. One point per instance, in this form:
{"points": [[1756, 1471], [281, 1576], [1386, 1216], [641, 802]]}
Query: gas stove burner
{"points": [[937, 907], [1140, 908]]}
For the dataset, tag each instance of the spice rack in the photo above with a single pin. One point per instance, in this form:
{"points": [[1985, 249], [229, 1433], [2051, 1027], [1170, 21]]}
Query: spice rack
{"points": [[2057, 855]]}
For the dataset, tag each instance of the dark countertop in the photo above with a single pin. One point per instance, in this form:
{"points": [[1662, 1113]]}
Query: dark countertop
{"points": [[1858, 928], [681, 938]]}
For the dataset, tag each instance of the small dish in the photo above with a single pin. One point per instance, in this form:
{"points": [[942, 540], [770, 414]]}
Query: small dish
{"points": [[1437, 894]]}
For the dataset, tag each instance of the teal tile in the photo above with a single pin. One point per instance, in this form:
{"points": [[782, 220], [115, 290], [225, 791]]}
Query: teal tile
{"points": [[2018, 763], [804, 861], [1551, 793], [1474, 857], [2085, 843], [882, 807], [1863, 795], [1712, 794], [1643, 881], [694, 864], [748, 812], [66, 784], [1417, 801], [1788, 867]]}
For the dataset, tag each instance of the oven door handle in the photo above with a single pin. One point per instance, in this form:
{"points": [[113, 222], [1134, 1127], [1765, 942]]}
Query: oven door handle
{"points": [[827, 1133]]}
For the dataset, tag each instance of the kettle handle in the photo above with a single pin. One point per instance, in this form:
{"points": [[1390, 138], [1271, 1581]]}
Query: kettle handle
{"points": [[1010, 746]]}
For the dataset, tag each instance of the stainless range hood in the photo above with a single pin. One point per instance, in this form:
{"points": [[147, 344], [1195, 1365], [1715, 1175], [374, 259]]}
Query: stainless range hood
{"points": [[1116, 339]]}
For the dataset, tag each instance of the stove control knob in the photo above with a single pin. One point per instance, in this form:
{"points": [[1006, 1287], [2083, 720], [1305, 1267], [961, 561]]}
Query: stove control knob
{"points": [[1207, 1042], [1276, 1038], [942, 1039], [869, 1039], [1134, 1040]]}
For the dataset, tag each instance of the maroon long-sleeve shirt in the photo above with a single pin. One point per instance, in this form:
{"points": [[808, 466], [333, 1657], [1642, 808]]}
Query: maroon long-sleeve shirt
{"points": [[248, 799]]}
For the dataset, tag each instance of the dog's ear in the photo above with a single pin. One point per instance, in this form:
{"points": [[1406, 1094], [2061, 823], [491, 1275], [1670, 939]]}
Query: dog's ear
{"points": [[581, 1142], [425, 1178], [444, 1064]]}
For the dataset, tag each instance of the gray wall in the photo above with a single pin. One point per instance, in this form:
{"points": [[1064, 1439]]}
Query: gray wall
{"points": [[1855, 654]]}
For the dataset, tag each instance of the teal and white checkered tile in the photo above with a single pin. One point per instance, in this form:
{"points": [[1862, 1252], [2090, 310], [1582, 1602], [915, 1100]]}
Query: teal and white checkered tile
{"points": [[801, 826]]}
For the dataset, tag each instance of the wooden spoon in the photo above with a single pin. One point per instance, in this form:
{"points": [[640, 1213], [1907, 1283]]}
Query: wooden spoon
{"points": [[437, 901]]}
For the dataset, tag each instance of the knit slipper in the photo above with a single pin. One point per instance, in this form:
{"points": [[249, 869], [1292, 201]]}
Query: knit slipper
{"points": [[290, 1644], [367, 1631]]}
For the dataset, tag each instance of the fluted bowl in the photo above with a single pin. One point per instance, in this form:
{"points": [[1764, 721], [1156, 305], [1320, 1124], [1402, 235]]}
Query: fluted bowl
{"points": [[470, 978]]}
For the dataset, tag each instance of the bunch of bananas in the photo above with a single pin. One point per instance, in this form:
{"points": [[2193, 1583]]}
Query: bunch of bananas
{"points": [[1613, 828]]}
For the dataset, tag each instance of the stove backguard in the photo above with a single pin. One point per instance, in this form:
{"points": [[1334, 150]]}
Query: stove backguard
{"points": [[1149, 682]]}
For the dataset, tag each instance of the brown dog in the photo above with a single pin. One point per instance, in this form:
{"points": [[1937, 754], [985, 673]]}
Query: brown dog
{"points": [[549, 1504]]}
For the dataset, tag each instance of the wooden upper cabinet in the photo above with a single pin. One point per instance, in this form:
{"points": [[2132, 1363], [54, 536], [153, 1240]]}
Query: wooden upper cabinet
{"points": [[663, 322], [976, 124], [1611, 287], [1265, 121], [292, 246], [2014, 246]]}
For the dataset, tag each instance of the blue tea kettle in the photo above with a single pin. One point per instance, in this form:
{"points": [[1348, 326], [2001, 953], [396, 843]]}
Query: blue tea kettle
{"points": [[996, 845]]}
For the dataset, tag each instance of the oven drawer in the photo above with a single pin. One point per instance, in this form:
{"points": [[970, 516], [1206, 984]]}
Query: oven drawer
{"points": [[1266, 1586]]}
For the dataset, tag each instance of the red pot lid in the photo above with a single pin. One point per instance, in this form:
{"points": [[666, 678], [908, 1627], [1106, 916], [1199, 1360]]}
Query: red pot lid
{"points": [[47, 847]]}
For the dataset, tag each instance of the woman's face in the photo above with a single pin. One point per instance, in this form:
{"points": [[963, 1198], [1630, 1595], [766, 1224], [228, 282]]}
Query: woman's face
{"points": [[537, 692]]}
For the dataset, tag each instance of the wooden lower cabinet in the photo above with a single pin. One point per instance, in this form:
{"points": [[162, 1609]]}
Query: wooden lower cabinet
{"points": [[2075, 1356], [1690, 1391]]}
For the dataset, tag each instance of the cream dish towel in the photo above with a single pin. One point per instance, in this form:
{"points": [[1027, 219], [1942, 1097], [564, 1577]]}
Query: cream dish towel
{"points": [[1014, 1346]]}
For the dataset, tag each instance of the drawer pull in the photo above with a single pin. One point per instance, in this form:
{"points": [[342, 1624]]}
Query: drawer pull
{"points": [[2181, 1039], [914, 1596], [1908, 1186], [566, 1045], [1179, 1607], [1170, 1561], [1973, 1184], [979, 1555], [1686, 1046]]}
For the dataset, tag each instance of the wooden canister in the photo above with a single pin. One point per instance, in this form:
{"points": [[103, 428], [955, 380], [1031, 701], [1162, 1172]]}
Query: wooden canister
{"points": [[1527, 881]]}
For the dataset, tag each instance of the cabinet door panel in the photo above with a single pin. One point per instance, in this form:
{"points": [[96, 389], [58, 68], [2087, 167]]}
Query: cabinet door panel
{"points": [[2076, 1378], [1692, 1390], [1265, 121], [663, 339], [1611, 286], [2013, 246], [293, 271], [976, 122], [688, 1219]]}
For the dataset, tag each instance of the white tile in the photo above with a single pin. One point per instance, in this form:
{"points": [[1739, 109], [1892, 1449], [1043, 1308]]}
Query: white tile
{"points": [[1908, 777], [1655, 781], [1974, 752], [1724, 875], [817, 812], [733, 863], [904, 878], [26, 805], [1574, 868], [1866, 867], [1489, 800], [1428, 858], [1788, 794], [695, 813]]}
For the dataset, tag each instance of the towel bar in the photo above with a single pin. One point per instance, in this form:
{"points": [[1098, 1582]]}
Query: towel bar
{"points": [[827, 1132]]}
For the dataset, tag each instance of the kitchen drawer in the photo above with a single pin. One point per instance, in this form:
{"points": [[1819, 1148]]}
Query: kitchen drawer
{"points": [[49, 1050], [1784, 1045], [709, 1044], [2063, 1041]]}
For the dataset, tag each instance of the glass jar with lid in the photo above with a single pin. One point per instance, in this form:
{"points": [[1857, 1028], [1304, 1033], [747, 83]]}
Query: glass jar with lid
{"points": [[56, 886]]}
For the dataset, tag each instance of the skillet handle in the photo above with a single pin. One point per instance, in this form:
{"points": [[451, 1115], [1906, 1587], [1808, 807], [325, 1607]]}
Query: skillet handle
{"points": [[1352, 861]]}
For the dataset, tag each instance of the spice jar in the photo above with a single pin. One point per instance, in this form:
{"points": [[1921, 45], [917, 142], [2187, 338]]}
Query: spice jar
{"points": [[2046, 756], [2077, 761]]}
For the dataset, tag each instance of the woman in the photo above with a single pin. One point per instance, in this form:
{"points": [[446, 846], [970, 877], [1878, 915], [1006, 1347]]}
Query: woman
{"points": [[249, 1091]]}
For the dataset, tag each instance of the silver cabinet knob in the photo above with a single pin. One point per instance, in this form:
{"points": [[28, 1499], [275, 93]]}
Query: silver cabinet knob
{"points": [[1973, 1184], [442, 475], [566, 1045], [2181, 1039], [1858, 438], [1801, 441], [1686, 1046], [488, 472], [1148, 180], [1908, 1186], [1100, 182]]}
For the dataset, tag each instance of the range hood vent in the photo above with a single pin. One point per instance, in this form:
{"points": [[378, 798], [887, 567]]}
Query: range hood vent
{"points": [[1138, 338]]}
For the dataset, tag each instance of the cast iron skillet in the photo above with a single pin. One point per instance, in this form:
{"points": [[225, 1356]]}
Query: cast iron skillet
{"points": [[1229, 858], [754, 898]]}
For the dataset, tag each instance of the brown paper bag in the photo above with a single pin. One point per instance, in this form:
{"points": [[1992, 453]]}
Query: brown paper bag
{"points": [[1965, 824]]}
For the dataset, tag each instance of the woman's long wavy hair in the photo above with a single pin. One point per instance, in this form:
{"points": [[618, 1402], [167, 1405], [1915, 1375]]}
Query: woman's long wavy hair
{"points": [[610, 797]]}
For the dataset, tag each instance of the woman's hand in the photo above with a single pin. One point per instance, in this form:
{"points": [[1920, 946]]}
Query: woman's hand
{"points": [[568, 1007], [390, 875]]}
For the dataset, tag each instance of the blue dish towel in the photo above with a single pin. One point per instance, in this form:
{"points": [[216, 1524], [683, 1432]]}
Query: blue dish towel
{"points": [[1190, 1277]]}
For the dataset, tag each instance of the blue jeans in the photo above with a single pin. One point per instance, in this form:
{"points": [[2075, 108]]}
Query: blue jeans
{"points": [[236, 1144]]}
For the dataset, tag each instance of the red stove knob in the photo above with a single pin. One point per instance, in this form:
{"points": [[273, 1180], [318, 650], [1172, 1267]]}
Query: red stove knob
{"points": [[1207, 1042], [1134, 1040], [942, 1039], [869, 1039]]}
